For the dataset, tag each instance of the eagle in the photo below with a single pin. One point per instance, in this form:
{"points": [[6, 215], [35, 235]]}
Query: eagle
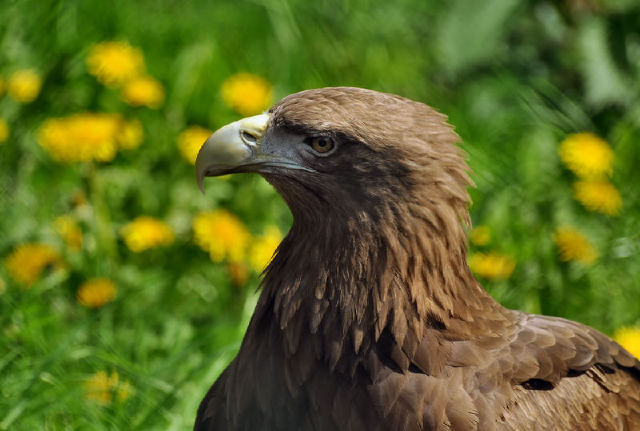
{"points": [[369, 317]]}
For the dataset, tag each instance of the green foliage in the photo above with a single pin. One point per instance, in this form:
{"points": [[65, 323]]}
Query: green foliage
{"points": [[514, 77]]}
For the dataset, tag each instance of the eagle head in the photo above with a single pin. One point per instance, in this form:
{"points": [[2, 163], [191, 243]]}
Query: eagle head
{"points": [[345, 151]]}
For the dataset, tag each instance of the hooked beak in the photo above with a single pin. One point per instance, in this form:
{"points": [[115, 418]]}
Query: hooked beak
{"points": [[230, 148], [237, 147]]}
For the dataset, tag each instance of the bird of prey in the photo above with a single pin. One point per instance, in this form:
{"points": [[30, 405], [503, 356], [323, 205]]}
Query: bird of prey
{"points": [[369, 317]]}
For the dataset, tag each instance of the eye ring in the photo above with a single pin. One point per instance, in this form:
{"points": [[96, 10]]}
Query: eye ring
{"points": [[322, 145]]}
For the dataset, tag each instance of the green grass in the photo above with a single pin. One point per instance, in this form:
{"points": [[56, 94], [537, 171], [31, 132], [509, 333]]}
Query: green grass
{"points": [[514, 77]]}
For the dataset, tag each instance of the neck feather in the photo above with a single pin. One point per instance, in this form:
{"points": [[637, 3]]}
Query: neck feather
{"points": [[350, 277]]}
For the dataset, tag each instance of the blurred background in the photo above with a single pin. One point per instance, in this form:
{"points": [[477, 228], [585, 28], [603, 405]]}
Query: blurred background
{"points": [[124, 292]]}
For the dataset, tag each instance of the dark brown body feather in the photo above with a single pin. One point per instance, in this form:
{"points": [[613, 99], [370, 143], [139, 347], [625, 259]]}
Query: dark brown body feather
{"points": [[370, 318]]}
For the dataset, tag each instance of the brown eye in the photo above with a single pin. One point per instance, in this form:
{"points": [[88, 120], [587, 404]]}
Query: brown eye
{"points": [[321, 144]]}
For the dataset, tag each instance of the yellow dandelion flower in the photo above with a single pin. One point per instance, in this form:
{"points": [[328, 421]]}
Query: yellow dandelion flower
{"points": [[600, 196], [24, 85], [629, 338], [143, 91], [222, 234], [69, 231], [4, 130], [587, 155], [103, 388], [124, 391], [190, 141], [130, 135], [96, 292], [262, 248], [88, 136], [573, 245], [27, 261], [114, 63], [146, 232], [246, 93], [98, 387], [492, 265], [480, 235], [81, 137]]}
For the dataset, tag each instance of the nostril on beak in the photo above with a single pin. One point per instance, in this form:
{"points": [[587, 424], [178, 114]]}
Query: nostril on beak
{"points": [[248, 137]]}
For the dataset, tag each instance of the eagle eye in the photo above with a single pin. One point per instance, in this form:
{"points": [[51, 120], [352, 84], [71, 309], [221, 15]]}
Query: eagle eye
{"points": [[321, 144]]}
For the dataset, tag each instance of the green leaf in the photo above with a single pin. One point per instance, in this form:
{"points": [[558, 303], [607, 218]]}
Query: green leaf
{"points": [[470, 32], [604, 82]]}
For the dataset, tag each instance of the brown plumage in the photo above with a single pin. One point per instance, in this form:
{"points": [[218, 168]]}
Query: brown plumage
{"points": [[369, 317]]}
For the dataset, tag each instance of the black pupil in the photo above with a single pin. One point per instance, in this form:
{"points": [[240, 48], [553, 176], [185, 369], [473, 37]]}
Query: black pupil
{"points": [[322, 142]]}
